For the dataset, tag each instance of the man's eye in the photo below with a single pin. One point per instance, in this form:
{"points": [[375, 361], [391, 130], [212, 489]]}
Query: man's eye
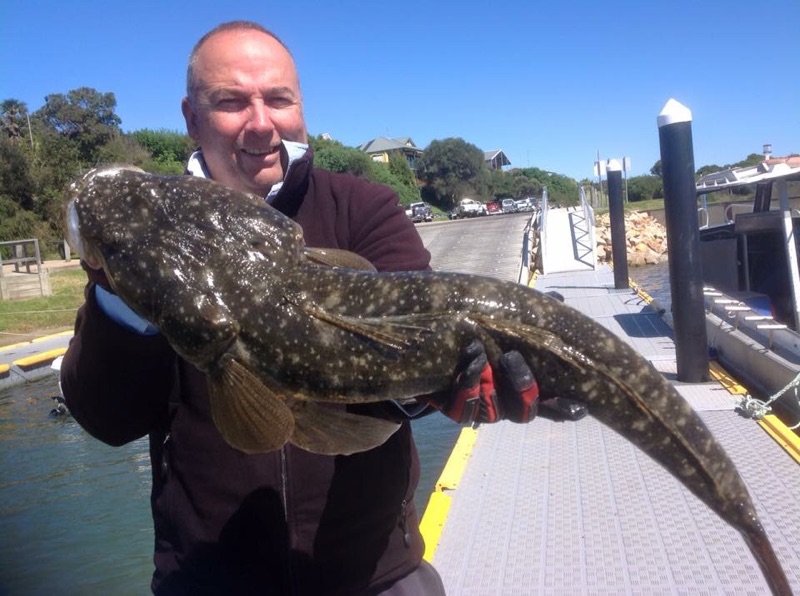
{"points": [[280, 102], [230, 104]]}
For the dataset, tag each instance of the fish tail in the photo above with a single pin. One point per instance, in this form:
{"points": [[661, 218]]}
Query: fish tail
{"points": [[759, 545]]}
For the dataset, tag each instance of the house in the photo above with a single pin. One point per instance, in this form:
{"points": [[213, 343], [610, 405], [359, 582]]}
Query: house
{"points": [[496, 159], [380, 148]]}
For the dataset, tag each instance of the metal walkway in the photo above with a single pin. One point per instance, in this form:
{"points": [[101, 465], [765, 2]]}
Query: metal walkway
{"points": [[568, 240], [572, 508]]}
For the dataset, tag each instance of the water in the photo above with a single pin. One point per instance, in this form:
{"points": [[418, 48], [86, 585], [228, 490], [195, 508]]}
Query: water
{"points": [[654, 279], [75, 513]]}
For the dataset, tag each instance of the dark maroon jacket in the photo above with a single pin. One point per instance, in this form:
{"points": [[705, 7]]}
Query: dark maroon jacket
{"points": [[286, 522]]}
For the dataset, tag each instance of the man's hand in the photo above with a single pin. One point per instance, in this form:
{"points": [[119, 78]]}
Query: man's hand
{"points": [[484, 395], [476, 399]]}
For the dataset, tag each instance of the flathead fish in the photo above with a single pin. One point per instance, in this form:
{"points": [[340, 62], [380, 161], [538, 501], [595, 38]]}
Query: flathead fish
{"points": [[288, 334]]}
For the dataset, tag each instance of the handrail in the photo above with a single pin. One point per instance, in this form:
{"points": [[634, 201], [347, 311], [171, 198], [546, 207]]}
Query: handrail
{"points": [[588, 215], [730, 216], [543, 228]]}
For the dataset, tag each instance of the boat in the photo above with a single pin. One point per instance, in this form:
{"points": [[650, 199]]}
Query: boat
{"points": [[752, 282]]}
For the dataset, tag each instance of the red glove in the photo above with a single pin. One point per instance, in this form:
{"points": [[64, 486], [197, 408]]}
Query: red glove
{"points": [[484, 396]]}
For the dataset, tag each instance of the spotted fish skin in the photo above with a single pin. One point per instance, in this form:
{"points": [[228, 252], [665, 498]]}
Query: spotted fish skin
{"points": [[228, 281]]}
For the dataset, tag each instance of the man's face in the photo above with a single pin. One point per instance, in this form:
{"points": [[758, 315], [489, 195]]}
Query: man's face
{"points": [[246, 100]]}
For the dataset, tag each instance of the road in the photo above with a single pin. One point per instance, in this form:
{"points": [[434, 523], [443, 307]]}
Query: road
{"points": [[490, 245]]}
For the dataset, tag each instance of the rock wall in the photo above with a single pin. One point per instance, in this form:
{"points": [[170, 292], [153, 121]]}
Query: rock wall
{"points": [[645, 235]]}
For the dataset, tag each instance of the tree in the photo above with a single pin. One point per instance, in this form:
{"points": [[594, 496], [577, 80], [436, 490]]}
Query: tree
{"points": [[560, 189], [656, 169], [501, 186], [710, 169], [332, 155], [451, 168], [84, 116], [525, 187], [335, 157], [126, 149], [169, 150], [644, 188], [398, 166], [15, 180], [13, 114]]}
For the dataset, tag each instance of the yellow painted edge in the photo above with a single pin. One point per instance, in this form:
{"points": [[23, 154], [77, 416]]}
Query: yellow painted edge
{"points": [[5, 370], [439, 503], [40, 359], [53, 336], [457, 462], [782, 434], [17, 345], [432, 522], [726, 380], [639, 291]]}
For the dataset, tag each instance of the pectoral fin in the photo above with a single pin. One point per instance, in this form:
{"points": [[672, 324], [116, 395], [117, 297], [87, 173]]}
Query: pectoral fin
{"points": [[396, 335], [535, 336], [329, 429], [249, 416], [337, 258]]}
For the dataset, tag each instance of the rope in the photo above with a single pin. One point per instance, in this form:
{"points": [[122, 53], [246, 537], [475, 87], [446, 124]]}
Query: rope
{"points": [[757, 409]]}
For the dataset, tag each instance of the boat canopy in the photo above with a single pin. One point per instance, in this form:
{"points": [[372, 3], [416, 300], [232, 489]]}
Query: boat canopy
{"points": [[769, 170]]}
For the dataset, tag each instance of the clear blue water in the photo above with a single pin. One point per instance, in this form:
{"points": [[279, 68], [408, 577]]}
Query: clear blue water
{"points": [[75, 513]]}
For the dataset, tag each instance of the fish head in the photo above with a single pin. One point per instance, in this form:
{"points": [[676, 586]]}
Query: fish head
{"points": [[92, 221], [180, 250]]}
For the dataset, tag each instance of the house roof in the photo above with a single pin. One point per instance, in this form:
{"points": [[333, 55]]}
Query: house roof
{"points": [[384, 144], [496, 154]]}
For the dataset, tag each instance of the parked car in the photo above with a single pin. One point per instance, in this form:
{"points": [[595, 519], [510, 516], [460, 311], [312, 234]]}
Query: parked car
{"points": [[508, 206], [493, 208], [419, 212], [524, 205], [470, 208]]}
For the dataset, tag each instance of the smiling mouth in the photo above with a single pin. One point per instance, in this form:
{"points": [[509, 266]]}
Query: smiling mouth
{"points": [[261, 152]]}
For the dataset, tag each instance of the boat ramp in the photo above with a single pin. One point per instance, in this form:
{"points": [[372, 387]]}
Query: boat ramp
{"points": [[573, 508]]}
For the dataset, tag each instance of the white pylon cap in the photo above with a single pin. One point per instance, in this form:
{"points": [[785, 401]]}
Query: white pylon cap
{"points": [[674, 112]]}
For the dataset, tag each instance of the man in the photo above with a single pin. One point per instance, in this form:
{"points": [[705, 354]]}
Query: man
{"points": [[285, 522]]}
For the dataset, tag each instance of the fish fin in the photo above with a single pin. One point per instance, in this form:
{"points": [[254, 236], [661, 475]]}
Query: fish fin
{"points": [[396, 335], [337, 258], [248, 415], [534, 335], [328, 429]]}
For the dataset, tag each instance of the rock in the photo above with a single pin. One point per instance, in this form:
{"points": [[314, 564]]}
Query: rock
{"points": [[646, 239]]}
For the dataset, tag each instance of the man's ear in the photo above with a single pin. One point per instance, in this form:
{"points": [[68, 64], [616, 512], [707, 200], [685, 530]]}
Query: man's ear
{"points": [[190, 116]]}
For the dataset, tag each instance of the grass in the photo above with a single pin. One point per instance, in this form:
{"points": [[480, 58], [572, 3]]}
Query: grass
{"points": [[42, 316]]}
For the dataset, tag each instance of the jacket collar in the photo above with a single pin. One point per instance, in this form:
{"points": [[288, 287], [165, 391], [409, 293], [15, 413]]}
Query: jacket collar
{"points": [[285, 195]]}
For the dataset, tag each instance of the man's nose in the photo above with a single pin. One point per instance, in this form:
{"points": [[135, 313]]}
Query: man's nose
{"points": [[259, 117]]}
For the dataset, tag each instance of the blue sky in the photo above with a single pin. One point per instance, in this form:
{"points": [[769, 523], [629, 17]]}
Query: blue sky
{"points": [[549, 83]]}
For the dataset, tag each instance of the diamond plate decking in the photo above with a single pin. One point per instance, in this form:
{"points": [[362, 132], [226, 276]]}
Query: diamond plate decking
{"points": [[572, 508]]}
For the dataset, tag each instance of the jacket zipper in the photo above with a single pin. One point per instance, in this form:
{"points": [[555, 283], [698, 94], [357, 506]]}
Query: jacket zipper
{"points": [[285, 501]]}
